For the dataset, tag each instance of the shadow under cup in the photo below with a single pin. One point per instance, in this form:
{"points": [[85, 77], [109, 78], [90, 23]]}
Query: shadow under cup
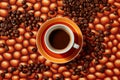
{"points": [[59, 38]]}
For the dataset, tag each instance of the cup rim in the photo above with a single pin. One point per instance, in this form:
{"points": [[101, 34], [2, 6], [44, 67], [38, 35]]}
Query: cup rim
{"points": [[67, 30]]}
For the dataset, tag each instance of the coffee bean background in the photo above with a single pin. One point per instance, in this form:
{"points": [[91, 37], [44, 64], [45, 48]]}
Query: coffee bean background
{"points": [[98, 21]]}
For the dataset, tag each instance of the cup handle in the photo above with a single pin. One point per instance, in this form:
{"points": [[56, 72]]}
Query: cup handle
{"points": [[76, 46]]}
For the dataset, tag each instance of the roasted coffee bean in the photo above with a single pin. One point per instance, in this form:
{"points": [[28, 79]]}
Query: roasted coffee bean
{"points": [[9, 7], [73, 73], [16, 35], [111, 21], [2, 45], [38, 70], [52, 12], [47, 68], [57, 78], [25, 6], [62, 8], [31, 8], [31, 26], [34, 49], [29, 73], [96, 62], [36, 77], [115, 13], [2, 75], [6, 48], [107, 8], [37, 18], [45, 78], [25, 66], [24, 2], [100, 56], [12, 69], [37, 26], [103, 68], [108, 55], [41, 19], [24, 71], [31, 33], [55, 9], [81, 75], [113, 6], [108, 27], [6, 71], [32, 65]]}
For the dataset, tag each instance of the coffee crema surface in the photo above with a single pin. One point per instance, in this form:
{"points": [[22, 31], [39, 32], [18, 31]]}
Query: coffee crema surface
{"points": [[59, 39]]}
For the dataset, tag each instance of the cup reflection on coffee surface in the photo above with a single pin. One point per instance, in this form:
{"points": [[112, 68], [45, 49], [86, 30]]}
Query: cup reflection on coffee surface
{"points": [[59, 39]]}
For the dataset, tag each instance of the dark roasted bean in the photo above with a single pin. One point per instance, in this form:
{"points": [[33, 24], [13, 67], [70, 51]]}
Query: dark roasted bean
{"points": [[34, 49], [2, 75]]}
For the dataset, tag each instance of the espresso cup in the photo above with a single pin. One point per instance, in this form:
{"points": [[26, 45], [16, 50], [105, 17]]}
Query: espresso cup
{"points": [[71, 43]]}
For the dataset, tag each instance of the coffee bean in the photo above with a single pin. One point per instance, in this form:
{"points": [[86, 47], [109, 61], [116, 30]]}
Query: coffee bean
{"points": [[6, 48], [16, 35], [37, 26], [102, 70], [100, 56], [108, 55], [2, 75], [29, 73], [36, 77], [32, 65], [31, 8], [45, 78], [52, 12], [115, 13], [24, 71], [101, 39], [55, 9], [96, 62], [107, 8], [65, 14], [74, 73], [81, 75], [41, 20], [34, 49], [2, 45], [111, 21], [57, 78], [9, 7], [31, 26], [31, 33], [25, 66], [6, 71], [25, 6], [12, 69], [47, 68], [113, 6], [24, 2], [62, 8]]}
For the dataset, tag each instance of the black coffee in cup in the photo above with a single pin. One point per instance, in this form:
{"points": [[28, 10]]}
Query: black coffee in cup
{"points": [[59, 39]]}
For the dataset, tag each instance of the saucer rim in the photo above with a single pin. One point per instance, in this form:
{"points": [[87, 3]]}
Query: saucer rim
{"points": [[68, 21]]}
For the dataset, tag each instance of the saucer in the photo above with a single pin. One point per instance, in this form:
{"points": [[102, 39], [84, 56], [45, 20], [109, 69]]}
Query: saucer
{"points": [[53, 57]]}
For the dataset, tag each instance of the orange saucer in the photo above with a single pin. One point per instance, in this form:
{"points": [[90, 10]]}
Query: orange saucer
{"points": [[53, 57]]}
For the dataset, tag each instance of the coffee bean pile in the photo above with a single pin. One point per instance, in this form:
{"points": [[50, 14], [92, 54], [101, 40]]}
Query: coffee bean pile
{"points": [[29, 69], [9, 26], [83, 12]]}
